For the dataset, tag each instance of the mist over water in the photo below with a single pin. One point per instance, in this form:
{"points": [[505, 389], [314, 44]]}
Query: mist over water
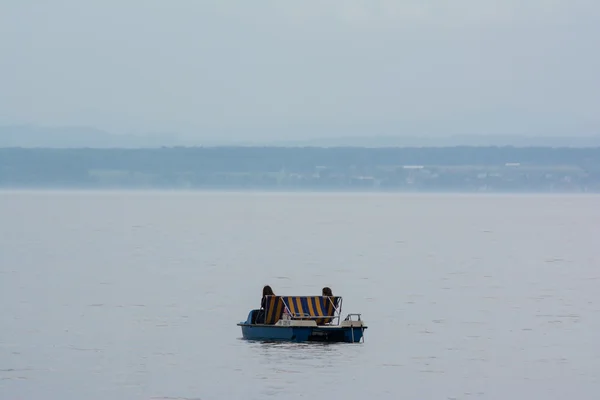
{"points": [[119, 295]]}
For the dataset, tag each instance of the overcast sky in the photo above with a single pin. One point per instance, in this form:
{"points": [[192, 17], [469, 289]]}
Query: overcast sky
{"points": [[301, 69]]}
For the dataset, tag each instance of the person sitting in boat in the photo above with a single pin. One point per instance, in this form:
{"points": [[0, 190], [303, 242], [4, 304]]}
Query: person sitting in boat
{"points": [[267, 291], [326, 292]]}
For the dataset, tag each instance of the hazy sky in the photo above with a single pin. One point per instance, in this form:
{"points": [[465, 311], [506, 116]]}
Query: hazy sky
{"points": [[293, 69]]}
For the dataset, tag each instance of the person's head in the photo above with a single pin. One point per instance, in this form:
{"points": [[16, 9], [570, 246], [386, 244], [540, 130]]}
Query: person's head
{"points": [[267, 291], [327, 291]]}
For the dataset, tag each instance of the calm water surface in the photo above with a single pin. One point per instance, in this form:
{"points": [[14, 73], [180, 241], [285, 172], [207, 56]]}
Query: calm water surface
{"points": [[136, 295]]}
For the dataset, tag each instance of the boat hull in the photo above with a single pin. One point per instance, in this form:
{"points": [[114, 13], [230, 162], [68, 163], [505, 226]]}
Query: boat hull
{"points": [[302, 333]]}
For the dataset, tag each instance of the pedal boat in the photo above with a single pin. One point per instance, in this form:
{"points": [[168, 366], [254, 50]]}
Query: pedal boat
{"points": [[303, 319]]}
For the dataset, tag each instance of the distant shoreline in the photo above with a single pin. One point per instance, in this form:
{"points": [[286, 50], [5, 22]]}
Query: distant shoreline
{"points": [[307, 169], [261, 192]]}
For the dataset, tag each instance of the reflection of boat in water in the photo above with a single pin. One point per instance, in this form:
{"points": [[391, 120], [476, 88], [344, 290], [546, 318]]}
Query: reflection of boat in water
{"points": [[302, 319]]}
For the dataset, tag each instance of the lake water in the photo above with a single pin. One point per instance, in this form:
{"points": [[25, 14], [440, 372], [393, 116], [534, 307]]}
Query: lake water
{"points": [[137, 295]]}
